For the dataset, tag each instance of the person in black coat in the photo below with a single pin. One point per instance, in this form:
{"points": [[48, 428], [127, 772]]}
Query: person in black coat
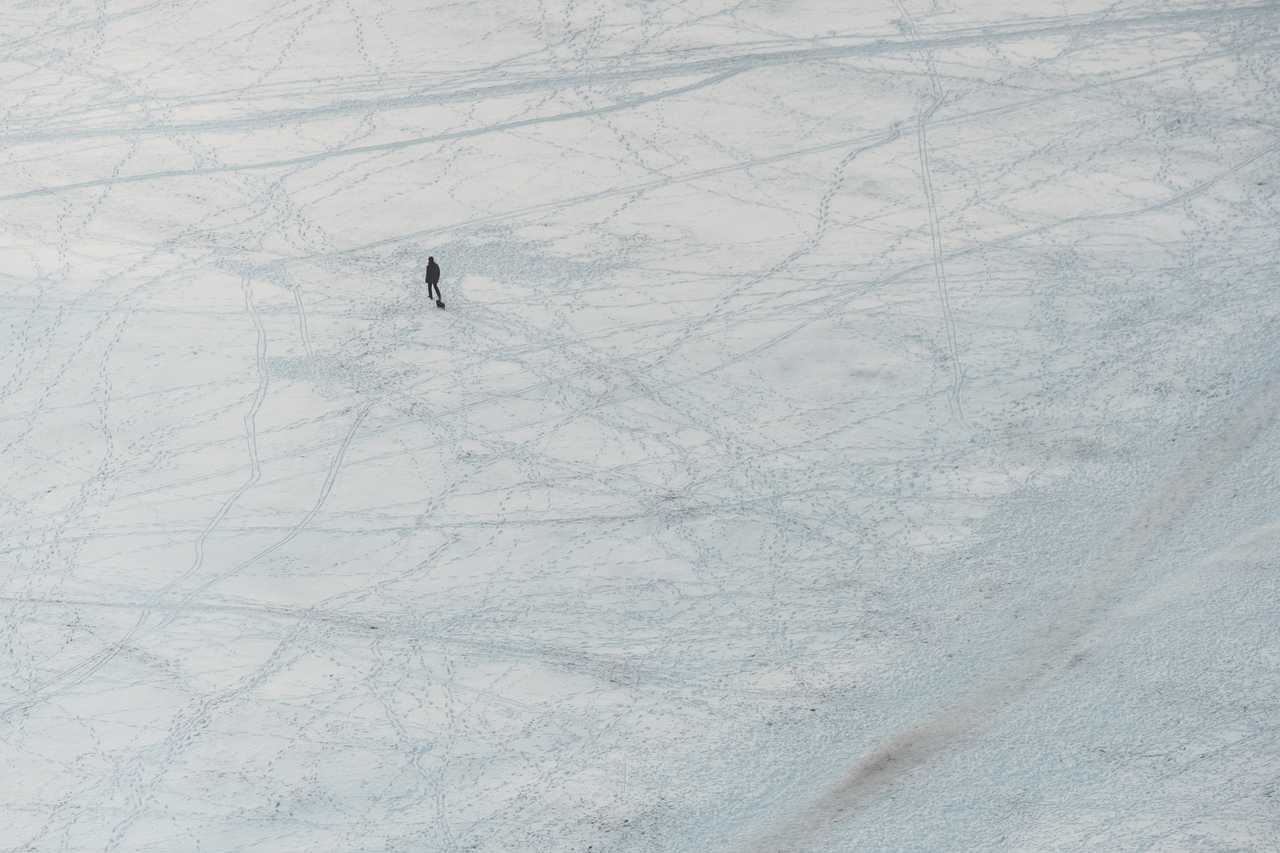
{"points": [[433, 281]]}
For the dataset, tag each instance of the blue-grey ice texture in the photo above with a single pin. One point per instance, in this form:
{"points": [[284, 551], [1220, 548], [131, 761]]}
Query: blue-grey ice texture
{"points": [[853, 427]]}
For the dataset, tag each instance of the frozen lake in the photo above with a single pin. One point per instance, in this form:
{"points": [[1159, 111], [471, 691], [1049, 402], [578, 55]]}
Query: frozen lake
{"points": [[853, 426]]}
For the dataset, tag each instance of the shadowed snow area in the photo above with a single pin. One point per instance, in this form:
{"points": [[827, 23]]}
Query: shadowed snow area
{"points": [[853, 426]]}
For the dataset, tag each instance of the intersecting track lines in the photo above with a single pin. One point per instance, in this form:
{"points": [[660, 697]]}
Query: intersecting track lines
{"points": [[87, 668], [294, 531], [525, 576], [608, 72], [399, 145]]}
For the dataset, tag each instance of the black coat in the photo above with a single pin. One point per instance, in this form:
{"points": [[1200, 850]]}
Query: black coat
{"points": [[433, 273]]}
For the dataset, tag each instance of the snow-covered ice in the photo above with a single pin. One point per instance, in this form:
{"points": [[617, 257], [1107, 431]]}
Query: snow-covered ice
{"points": [[853, 426]]}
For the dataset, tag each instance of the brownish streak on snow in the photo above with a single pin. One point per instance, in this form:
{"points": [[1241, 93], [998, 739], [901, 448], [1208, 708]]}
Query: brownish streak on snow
{"points": [[1058, 646]]}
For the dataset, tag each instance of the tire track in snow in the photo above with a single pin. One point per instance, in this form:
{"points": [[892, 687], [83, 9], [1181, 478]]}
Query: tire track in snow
{"points": [[1058, 644]]}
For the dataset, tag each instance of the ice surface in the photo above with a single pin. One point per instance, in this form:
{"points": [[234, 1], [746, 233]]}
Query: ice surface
{"points": [[853, 427]]}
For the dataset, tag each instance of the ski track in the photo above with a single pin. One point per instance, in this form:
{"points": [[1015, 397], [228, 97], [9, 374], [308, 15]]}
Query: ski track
{"points": [[937, 97], [852, 427]]}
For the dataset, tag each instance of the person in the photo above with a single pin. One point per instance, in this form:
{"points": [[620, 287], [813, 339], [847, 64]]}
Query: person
{"points": [[433, 281]]}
